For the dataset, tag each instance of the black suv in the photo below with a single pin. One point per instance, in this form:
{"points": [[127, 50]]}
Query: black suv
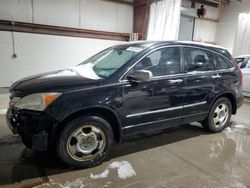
{"points": [[121, 91]]}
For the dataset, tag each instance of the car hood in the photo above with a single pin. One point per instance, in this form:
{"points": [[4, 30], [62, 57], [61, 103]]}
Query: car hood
{"points": [[56, 81]]}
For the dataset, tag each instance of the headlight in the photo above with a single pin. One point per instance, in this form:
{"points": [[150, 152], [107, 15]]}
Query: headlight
{"points": [[38, 101]]}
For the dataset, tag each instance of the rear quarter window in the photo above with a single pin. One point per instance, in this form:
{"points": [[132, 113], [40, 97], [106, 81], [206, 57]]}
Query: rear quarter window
{"points": [[222, 62]]}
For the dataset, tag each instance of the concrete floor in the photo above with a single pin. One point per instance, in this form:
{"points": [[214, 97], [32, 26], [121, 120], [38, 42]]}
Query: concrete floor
{"points": [[4, 100], [185, 156]]}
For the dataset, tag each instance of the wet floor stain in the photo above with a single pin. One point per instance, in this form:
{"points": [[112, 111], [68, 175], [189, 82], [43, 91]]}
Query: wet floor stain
{"points": [[184, 156]]}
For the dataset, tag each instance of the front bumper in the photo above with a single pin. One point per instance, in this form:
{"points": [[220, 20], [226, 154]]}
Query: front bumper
{"points": [[34, 127]]}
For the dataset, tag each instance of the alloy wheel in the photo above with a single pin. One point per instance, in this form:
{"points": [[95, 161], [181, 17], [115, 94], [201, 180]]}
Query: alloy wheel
{"points": [[220, 115], [86, 142]]}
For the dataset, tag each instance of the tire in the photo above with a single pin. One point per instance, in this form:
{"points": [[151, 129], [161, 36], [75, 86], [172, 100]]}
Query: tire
{"points": [[85, 142], [219, 116]]}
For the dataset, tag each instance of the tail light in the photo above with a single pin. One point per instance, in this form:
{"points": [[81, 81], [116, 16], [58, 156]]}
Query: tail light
{"points": [[241, 78], [241, 75]]}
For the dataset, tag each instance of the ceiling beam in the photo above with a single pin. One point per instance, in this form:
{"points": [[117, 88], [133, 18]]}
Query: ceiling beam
{"points": [[141, 2], [7, 25], [121, 1], [213, 3], [224, 2], [204, 2]]}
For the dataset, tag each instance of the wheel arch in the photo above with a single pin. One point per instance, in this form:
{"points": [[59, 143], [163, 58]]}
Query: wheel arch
{"points": [[231, 97], [101, 111]]}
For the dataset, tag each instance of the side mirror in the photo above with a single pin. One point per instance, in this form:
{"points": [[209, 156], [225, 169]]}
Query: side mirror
{"points": [[141, 75]]}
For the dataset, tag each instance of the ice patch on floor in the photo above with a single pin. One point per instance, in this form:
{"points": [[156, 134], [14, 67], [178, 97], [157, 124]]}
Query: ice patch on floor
{"points": [[124, 170], [104, 174]]}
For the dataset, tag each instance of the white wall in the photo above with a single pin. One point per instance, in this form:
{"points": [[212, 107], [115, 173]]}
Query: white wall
{"points": [[211, 12], [16, 10], [204, 30], [228, 23], [40, 53], [85, 14]]}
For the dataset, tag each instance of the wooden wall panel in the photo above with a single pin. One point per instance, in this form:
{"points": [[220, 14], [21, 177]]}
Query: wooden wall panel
{"points": [[141, 15]]}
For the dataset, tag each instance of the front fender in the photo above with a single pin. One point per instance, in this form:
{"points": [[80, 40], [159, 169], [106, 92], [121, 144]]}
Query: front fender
{"points": [[69, 103]]}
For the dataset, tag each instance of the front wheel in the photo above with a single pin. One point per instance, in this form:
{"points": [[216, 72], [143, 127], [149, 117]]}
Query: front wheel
{"points": [[219, 115], [85, 142]]}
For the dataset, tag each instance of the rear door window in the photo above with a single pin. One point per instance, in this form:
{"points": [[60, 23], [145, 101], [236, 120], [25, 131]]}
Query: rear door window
{"points": [[198, 60]]}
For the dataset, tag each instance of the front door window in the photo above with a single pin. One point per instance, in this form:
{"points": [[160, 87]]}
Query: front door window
{"points": [[165, 61]]}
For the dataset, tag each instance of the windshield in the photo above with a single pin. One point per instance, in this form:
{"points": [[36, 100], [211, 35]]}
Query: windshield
{"points": [[104, 64]]}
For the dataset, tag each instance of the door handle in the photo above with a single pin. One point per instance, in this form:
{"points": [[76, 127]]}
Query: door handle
{"points": [[177, 81], [216, 76]]}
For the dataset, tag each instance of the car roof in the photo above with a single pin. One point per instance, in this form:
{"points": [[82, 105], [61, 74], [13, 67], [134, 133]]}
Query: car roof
{"points": [[189, 43], [147, 44], [242, 56]]}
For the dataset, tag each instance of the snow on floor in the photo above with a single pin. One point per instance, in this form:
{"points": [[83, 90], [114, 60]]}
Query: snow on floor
{"points": [[124, 170], [104, 174]]}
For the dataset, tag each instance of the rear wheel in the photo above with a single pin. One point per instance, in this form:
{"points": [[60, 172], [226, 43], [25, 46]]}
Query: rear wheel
{"points": [[85, 141], [219, 115]]}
